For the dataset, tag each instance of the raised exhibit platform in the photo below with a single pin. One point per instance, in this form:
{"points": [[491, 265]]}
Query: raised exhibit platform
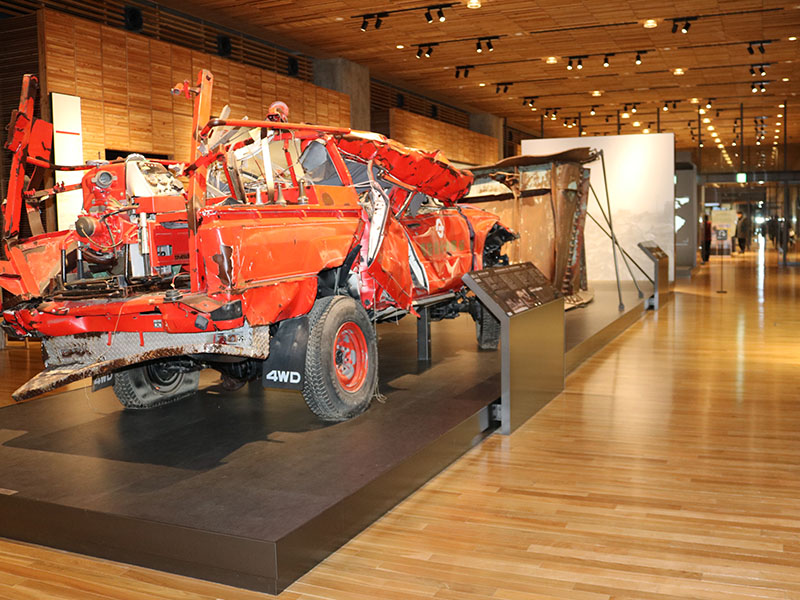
{"points": [[248, 488], [591, 327]]}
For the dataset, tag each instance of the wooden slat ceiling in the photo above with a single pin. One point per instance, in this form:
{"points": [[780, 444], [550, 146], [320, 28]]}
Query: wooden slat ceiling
{"points": [[713, 55]]}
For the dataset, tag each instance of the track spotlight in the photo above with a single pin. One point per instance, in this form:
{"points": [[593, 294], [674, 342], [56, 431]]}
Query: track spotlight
{"points": [[466, 72], [565, 122], [750, 48], [364, 24], [708, 104], [674, 106], [638, 60], [685, 28], [489, 46], [441, 16], [555, 113], [752, 72], [505, 89], [593, 112], [569, 65], [674, 27], [547, 114], [419, 52], [580, 64], [531, 101], [763, 71], [633, 108], [378, 22], [761, 48], [478, 47], [666, 107], [428, 16], [763, 89], [606, 118], [428, 52], [497, 90], [606, 63]]}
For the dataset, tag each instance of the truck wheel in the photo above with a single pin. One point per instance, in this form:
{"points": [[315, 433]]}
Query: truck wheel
{"points": [[487, 329], [154, 384], [341, 370]]}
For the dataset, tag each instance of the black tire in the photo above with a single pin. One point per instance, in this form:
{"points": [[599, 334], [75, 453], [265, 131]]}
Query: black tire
{"points": [[487, 329], [151, 385], [342, 318]]}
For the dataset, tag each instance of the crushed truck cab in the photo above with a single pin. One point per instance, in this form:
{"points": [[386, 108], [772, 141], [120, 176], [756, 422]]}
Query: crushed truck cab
{"points": [[273, 251]]}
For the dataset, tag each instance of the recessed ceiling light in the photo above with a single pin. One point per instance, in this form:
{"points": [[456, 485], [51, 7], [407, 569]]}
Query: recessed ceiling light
{"points": [[339, 19], [678, 71], [636, 124], [400, 46], [792, 38], [482, 84], [706, 120], [710, 128], [645, 130], [551, 60], [597, 93], [785, 79], [781, 106], [695, 101], [702, 111], [474, 4], [650, 24], [777, 123], [779, 115]]}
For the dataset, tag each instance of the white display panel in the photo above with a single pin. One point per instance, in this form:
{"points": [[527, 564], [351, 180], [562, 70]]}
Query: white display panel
{"points": [[67, 150], [641, 183]]}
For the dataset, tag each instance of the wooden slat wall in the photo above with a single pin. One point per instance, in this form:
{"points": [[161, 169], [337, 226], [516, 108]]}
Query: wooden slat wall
{"points": [[20, 55], [124, 81], [457, 143], [384, 97]]}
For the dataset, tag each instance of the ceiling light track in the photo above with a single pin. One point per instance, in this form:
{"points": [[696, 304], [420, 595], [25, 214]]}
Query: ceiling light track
{"points": [[431, 12], [479, 41]]}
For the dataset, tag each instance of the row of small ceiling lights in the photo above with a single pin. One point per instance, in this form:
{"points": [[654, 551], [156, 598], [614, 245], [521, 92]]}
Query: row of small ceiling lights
{"points": [[551, 114], [760, 124]]}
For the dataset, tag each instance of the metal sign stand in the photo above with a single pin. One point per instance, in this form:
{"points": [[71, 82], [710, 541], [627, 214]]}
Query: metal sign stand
{"points": [[722, 236], [531, 315]]}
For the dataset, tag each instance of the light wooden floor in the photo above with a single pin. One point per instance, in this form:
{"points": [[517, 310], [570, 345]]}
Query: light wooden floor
{"points": [[669, 469]]}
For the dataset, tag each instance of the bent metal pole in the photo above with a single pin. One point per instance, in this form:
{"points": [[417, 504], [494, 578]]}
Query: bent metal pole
{"points": [[611, 228]]}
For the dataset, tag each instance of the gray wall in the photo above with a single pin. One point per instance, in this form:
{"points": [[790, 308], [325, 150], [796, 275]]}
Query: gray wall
{"points": [[686, 214], [349, 78], [488, 124]]}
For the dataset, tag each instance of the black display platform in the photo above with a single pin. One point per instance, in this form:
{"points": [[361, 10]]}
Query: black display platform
{"points": [[249, 488], [588, 328], [245, 488]]}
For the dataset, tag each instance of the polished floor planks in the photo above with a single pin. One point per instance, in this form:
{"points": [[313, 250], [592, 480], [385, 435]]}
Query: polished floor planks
{"points": [[668, 469]]}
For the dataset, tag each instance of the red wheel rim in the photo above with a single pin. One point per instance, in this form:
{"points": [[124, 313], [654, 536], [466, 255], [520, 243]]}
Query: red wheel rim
{"points": [[350, 359]]}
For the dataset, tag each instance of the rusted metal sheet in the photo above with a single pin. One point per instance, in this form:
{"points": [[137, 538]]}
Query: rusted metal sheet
{"points": [[545, 199]]}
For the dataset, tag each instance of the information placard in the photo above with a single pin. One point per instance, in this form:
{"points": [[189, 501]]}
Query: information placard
{"points": [[516, 288]]}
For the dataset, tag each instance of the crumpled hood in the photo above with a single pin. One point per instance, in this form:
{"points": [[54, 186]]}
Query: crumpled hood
{"points": [[430, 172]]}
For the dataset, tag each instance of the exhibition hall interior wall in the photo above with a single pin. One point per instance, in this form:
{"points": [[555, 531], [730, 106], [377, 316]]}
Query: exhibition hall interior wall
{"points": [[641, 176], [124, 81]]}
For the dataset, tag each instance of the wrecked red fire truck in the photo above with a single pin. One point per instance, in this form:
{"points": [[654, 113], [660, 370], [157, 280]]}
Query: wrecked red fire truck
{"points": [[270, 255]]}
